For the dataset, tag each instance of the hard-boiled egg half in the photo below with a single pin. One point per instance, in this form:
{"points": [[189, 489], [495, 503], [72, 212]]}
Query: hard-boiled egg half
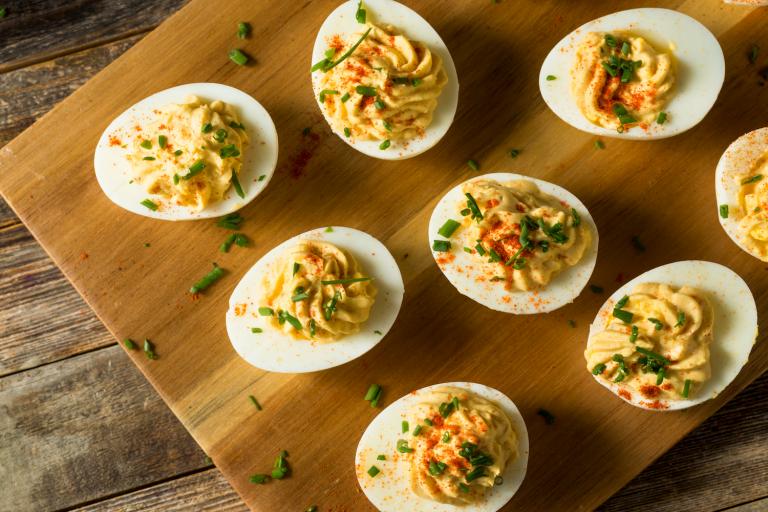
{"points": [[447, 447], [315, 301], [674, 336], [741, 187], [514, 243], [190, 152], [637, 74], [383, 78]]}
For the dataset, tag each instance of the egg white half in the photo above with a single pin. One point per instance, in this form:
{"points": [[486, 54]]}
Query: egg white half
{"points": [[737, 160], [274, 351], [734, 332], [700, 70], [390, 490], [113, 171], [389, 12], [562, 290]]}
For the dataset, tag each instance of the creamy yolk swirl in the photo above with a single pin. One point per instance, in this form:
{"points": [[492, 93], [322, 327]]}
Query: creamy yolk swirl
{"points": [[387, 89], [610, 72], [189, 154], [663, 341], [753, 205], [525, 237], [464, 445], [318, 292]]}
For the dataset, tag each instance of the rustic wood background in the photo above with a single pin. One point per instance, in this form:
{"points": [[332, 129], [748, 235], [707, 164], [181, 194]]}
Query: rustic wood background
{"points": [[80, 428]]}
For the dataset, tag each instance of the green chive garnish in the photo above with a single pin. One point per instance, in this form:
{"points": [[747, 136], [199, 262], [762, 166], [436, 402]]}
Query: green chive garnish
{"points": [[296, 267], [326, 64], [207, 280], [176, 179], [657, 323], [262, 177], [633, 334], [621, 302], [595, 288], [299, 294], [365, 90], [129, 344], [514, 153], [549, 418], [598, 369], [373, 471], [380, 105], [660, 376], [243, 30], [235, 124], [345, 97], [638, 244], [599, 144], [381, 457], [473, 165], [463, 487], [324, 93], [162, 141], [220, 134], [402, 446], [148, 158], [680, 319], [146, 144], [207, 128], [227, 244], [653, 355], [312, 327], [230, 150], [259, 479], [724, 211], [416, 430], [238, 57], [752, 179], [177, 152], [551, 77], [284, 316], [448, 228], [441, 245], [264, 311], [236, 185], [686, 388], [622, 114], [150, 204], [149, 349], [576, 217], [472, 205], [623, 315], [385, 144], [404, 427], [257, 330], [436, 468], [661, 118], [387, 126], [753, 53], [347, 281], [446, 436], [373, 390], [255, 402], [195, 168], [360, 14], [347, 132]]}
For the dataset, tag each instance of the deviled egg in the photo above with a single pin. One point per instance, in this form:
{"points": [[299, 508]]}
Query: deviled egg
{"points": [[384, 79], [674, 336], [447, 447], [741, 188], [513, 243], [640, 74], [315, 301], [190, 152]]}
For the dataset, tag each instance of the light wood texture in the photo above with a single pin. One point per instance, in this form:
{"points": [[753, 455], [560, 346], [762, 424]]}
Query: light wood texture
{"points": [[206, 384], [83, 429]]}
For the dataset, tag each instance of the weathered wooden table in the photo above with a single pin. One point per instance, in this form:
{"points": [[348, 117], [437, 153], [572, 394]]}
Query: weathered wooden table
{"points": [[80, 429]]}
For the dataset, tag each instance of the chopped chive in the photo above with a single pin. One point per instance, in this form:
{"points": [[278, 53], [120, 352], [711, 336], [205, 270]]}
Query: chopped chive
{"points": [[373, 471], [480, 249], [416, 82], [296, 267], [149, 349], [262, 177], [360, 14], [441, 245], [312, 327], [385, 144], [129, 344], [448, 228], [380, 105], [227, 244], [595, 288], [653, 355], [149, 158], [377, 332], [576, 217], [428, 422], [2, 12], [346, 281], [264, 311], [207, 128], [176, 179], [284, 316], [724, 211], [347, 132], [493, 256], [236, 184], [549, 418], [472, 205], [345, 97], [299, 295], [381, 457], [257, 330], [660, 376], [313, 508], [468, 250], [572, 323], [680, 319], [231, 221], [243, 30], [229, 151], [446, 436], [365, 90], [598, 369], [235, 124], [473, 165], [476, 473], [150, 204], [404, 427], [661, 118], [254, 402], [387, 126], [551, 77], [207, 280], [177, 152], [633, 334], [514, 153], [402, 446], [162, 141], [657, 323], [238, 57], [324, 93], [623, 315], [621, 302], [637, 244], [437, 468], [622, 114], [752, 179], [599, 144], [686, 388], [610, 41], [416, 430], [146, 144], [220, 134], [373, 390], [259, 479], [326, 64], [195, 168], [753, 53], [463, 487]]}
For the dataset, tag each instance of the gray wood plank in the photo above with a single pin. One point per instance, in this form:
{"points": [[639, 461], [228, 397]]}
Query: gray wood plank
{"points": [[86, 428], [36, 30]]}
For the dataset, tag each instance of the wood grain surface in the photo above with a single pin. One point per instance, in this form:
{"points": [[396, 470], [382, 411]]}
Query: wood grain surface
{"points": [[200, 406]]}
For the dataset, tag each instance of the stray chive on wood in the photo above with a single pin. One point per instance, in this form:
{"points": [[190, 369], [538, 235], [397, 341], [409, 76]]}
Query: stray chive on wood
{"points": [[149, 349], [473, 165], [753, 53], [243, 30], [637, 244], [549, 418], [129, 344], [238, 57], [207, 280], [254, 402], [595, 288]]}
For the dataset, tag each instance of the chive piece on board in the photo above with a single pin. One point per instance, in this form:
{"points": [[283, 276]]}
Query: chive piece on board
{"points": [[129, 344], [473, 165], [254, 402], [207, 280], [238, 57], [243, 30], [373, 390], [259, 478], [549, 418], [149, 349]]}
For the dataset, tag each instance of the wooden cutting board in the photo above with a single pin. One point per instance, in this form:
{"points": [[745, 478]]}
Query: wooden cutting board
{"points": [[660, 191]]}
